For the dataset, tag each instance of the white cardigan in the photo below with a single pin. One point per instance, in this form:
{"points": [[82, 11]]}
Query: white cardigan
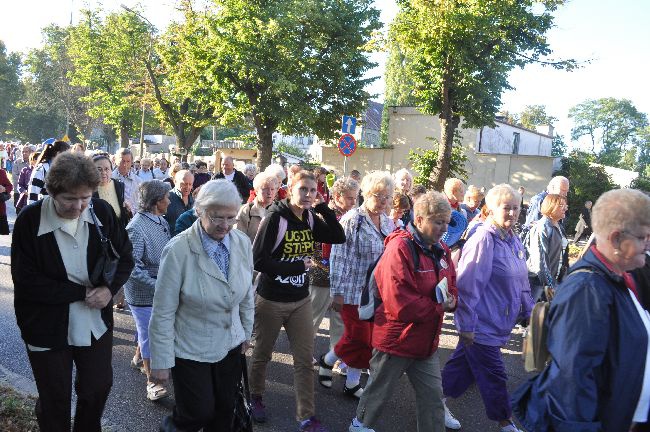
{"points": [[194, 305]]}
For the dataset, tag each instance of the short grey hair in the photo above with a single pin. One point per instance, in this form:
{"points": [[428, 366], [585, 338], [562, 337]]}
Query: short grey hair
{"points": [[277, 171], [150, 192], [432, 204], [500, 193], [403, 173], [344, 185], [180, 175], [121, 152], [262, 179], [250, 168], [620, 210], [376, 181], [215, 193], [555, 183]]}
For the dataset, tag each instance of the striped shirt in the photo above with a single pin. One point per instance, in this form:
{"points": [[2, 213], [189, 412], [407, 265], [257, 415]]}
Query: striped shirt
{"points": [[37, 183], [349, 262]]}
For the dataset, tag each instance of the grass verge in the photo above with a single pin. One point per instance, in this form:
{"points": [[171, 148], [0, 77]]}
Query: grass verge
{"points": [[16, 411]]}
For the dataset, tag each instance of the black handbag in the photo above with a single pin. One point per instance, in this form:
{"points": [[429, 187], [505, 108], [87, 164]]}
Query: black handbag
{"points": [[5, 196], [242, 420], [106, 265]]}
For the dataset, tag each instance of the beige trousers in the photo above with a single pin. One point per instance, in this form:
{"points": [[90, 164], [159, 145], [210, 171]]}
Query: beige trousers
{"points": [[296, 318]]}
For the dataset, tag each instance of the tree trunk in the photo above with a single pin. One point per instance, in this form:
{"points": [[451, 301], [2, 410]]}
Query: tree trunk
{"points": [[264, 147], [124, 133], [448, 124]]}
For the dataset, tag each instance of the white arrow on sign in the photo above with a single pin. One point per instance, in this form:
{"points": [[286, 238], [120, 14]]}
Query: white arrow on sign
{"points": [[349, 125]]}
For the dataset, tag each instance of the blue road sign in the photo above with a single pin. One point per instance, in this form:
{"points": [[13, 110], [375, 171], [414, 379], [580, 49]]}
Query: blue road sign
{"points": [[347, 145], [349, 124]]}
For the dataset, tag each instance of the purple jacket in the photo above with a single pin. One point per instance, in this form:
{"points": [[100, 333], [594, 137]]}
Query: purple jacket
{"points": [[23, 179], [493, 288]]}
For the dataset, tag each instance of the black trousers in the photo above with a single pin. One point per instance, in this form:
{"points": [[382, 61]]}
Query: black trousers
{"points": [[53, 374], [205, 394]]}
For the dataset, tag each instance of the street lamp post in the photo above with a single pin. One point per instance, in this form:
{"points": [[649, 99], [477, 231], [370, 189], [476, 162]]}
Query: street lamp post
{"points": [[128, 9]]}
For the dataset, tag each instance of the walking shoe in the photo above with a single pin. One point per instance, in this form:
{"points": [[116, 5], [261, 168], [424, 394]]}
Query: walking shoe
{"points": [[312, 425], [354, 392], [155, 391], [324, 373], [450, 420], [360, 428], [258, 410], [510, 428]]}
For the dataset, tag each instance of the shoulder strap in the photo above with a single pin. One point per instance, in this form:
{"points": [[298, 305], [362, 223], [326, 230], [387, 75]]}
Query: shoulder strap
{"points": [[282, 229]]}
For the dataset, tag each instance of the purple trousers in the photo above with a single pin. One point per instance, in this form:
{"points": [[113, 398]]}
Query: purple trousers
{"points": [[481, 364]]}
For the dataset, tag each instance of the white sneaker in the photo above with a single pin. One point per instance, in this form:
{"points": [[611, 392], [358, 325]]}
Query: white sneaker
{"points": [[362, 428], [450, 421], [155, 391], [510, 428]]}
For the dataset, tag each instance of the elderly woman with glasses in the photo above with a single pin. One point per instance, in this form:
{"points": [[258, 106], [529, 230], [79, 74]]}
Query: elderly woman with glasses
{"points": [[598, 378], [202, 315], [365, 228], [110, 189], [493, 295], [149, 233]]}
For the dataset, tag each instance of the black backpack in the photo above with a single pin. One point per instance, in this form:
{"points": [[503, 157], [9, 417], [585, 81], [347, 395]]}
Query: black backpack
{"points": [[370, 299]]}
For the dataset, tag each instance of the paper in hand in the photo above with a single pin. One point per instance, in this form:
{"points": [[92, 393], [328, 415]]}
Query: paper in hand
{"points": [[442, 291]]}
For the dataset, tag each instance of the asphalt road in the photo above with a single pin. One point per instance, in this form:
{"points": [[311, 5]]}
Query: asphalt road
{"points": [[129, 410]]}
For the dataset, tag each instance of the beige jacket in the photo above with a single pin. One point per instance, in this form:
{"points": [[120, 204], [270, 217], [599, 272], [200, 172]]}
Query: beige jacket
{"points": [[197, 312], [249, 219]]}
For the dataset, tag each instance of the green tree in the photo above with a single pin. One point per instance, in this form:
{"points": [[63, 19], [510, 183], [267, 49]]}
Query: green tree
{"points": [[460, 52], [51, 105], [399, 88], [290, 65], [615, 129], [424, 162], [535, 115], [108, 57], [587, 182], [559, 147], [188, 97], [10, 88]]}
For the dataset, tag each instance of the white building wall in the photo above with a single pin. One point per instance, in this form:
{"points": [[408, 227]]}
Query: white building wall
{"points": [[501, 140]]}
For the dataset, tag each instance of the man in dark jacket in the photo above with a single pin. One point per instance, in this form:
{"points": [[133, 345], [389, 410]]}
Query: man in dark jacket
{"points": [[180, 198], [584, 223], [240, 180]]}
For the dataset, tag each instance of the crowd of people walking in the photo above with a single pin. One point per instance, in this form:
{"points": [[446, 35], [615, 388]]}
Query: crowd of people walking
{"points": [[213, 266]]}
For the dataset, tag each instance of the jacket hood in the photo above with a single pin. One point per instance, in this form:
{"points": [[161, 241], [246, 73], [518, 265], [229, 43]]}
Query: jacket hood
{"points": [[410, 233]]}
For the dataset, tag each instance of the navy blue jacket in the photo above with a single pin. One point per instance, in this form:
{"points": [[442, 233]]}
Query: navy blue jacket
{"points": [[598, 344]]}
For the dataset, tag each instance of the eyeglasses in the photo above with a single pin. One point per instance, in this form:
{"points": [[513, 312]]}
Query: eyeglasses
{"points": [[100, 169], [218, 220], [642, 239], [381, 197]]}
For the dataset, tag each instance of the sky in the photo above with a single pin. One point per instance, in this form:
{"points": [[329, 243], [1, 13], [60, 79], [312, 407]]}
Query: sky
{"points": [[613, 34]]}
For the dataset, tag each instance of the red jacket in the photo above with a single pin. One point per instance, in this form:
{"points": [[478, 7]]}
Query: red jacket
{"points": [[409, 321], [4, 181]]}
